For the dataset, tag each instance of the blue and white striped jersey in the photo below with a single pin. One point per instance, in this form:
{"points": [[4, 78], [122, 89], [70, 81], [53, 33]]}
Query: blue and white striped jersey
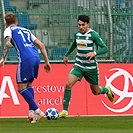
{"points": [[23, 40]]}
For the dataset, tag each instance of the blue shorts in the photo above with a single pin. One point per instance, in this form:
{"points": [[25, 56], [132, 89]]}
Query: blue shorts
{"points": [[27, 70]]}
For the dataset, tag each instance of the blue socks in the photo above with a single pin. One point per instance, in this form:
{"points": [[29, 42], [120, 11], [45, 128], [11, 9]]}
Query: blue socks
{"points": [[30, 89], [28, 95]]}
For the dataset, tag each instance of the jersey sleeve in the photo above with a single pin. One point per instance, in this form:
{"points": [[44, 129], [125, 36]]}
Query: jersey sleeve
{"points": [[72, 47], [33, 37], [99, 43], [7, 32]]}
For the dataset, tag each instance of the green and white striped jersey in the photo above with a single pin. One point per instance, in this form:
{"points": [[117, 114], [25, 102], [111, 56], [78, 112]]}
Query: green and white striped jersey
{"points": [[85, 43]]}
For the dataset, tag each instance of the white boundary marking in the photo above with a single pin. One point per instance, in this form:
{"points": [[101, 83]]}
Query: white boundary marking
{"points": [[72, 116]]}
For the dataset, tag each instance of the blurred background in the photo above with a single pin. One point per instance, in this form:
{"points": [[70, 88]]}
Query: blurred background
{"points": [[54, 22]]}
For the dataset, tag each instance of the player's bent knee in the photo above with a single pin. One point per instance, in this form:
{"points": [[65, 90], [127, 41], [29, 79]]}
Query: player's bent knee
{"points": [[68, 85], [21, 86], [95, 92]]}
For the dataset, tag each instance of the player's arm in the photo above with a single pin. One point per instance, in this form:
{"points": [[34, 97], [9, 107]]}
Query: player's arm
{"points": [[70, 49], [99, 42], [42, 48], [6, 46], [5, 50]]}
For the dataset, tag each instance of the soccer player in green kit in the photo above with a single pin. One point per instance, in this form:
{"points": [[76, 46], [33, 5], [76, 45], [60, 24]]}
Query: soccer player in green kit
{"points": [[85, 64]]}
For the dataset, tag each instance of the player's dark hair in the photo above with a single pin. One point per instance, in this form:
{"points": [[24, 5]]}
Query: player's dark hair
{"points": [[84, 18], [10, 18]]}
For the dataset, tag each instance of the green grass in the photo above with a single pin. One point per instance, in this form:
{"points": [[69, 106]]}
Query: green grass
{"points": [[97, 124]]}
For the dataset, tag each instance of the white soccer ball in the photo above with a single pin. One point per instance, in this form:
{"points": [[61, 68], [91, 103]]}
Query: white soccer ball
{"points": [[52, 114]]}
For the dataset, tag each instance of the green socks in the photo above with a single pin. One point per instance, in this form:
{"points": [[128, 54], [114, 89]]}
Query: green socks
{"points": [[103, 90], [67, 96]]}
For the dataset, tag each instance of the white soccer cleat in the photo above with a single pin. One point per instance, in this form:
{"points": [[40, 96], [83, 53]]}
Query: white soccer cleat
{"points": [[37, 117], [30, 115]]}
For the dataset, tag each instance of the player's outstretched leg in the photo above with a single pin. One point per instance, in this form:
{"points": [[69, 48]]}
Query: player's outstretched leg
{"points": [[38, 114], [63, 114], [110, 94]]}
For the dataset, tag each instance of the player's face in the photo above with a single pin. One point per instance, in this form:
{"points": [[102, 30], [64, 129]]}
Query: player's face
{"points": [[83, 26]]}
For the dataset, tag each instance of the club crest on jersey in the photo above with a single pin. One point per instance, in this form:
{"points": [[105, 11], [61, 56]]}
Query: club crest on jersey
{"points": [[87, 38]]}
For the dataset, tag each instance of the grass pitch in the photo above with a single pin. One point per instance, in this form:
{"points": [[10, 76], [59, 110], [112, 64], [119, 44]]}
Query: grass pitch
{"points": [[96, 124]]}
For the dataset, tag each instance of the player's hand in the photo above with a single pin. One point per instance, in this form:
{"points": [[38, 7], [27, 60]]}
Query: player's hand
{"points": [[65, 60], [2, 62], [90, 55], [47, 67]]}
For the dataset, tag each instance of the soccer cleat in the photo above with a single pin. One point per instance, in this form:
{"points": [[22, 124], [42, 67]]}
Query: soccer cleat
{"points": [[30, 118], [110, 94], [63, 114], [30, 115], [37, 117]]}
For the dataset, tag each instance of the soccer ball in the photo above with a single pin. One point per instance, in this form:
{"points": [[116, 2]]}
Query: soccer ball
{"points": [[52, 114]]}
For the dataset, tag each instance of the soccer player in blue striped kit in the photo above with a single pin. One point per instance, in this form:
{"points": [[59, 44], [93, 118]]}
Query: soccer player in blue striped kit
{"points": [[24, 42]]}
